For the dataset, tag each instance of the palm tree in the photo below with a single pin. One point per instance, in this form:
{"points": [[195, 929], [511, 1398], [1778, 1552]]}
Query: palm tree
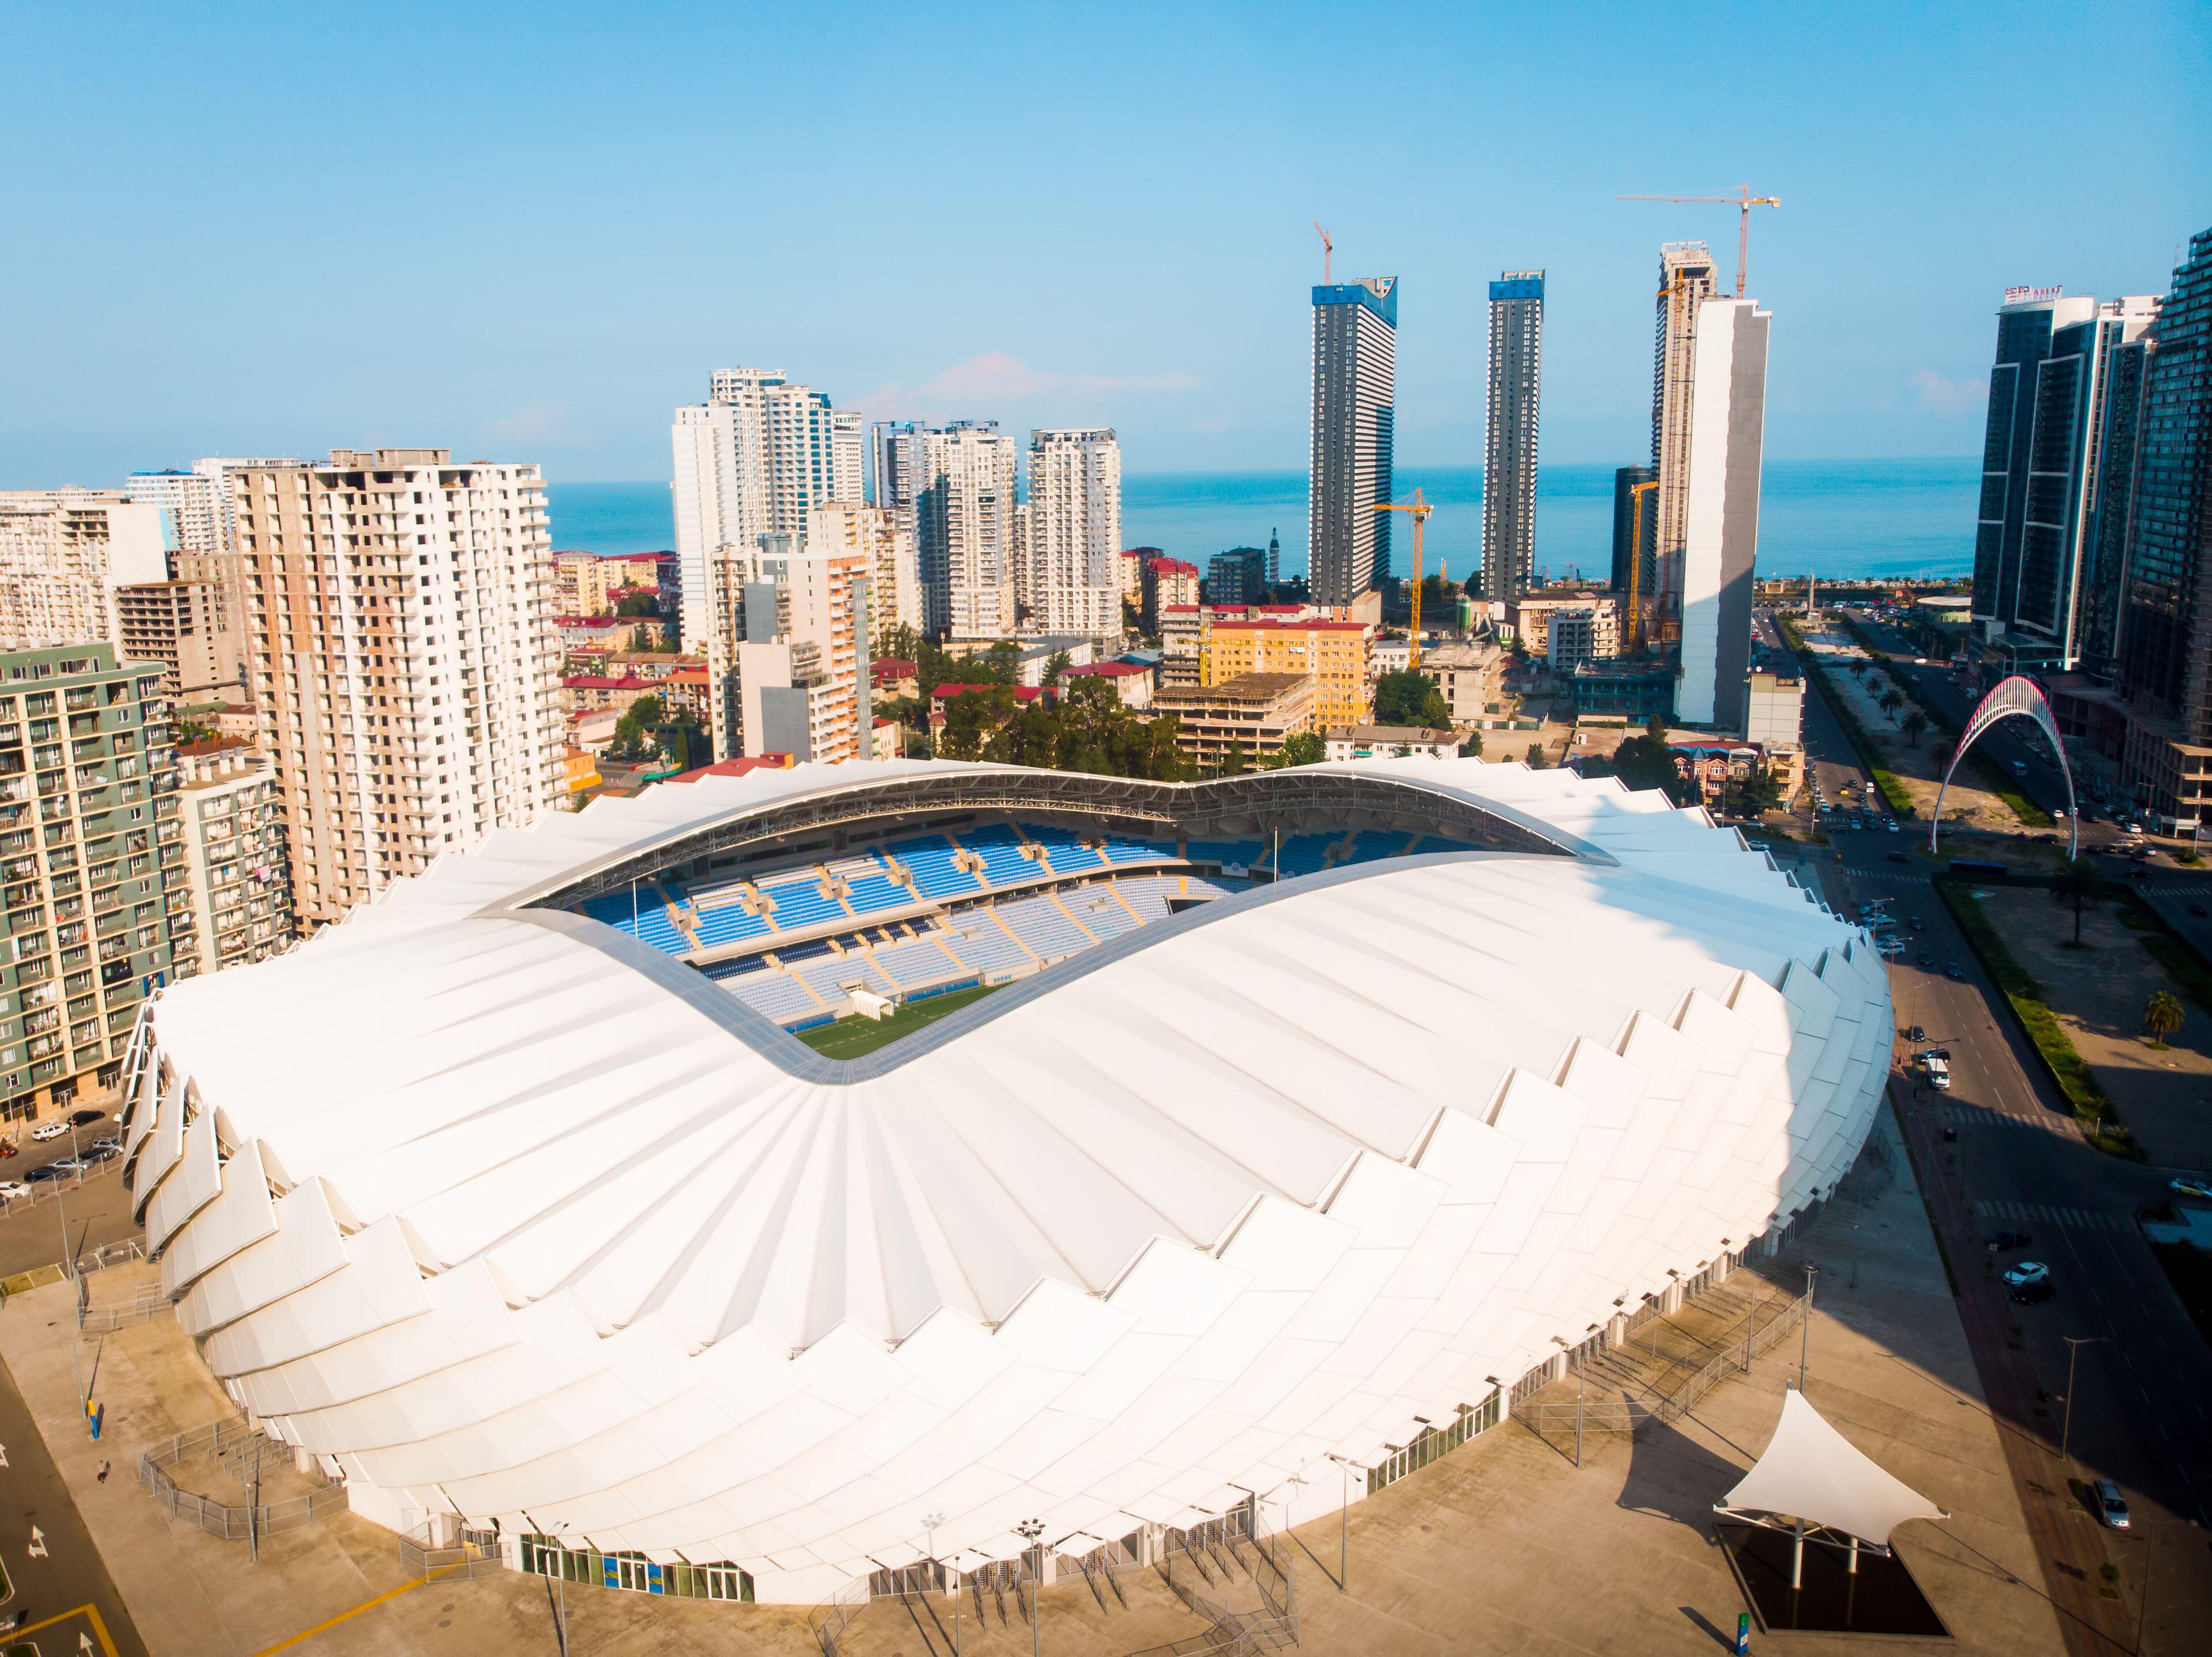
{"points": [[1889, 701], [1859, 667], [2077, 881], [2162, 1016], [1914, 723]]}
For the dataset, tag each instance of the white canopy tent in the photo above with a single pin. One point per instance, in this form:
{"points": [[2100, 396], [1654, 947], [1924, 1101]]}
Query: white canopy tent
{"points": [[1817, 1480]]}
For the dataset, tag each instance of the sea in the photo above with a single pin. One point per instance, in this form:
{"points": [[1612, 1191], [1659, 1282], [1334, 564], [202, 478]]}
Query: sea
{"points": [[1848, 519]]}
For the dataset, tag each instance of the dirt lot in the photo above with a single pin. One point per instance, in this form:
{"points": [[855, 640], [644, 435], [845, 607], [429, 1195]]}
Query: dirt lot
{"points": [[2097, 993], [1915, 763]]}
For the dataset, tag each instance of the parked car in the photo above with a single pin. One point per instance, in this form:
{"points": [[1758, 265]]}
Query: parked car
{"points": [[50, 1171], [49, 1131], [11, 1189], [1916, 1033], [2111, 1506], [106, 1142], [1927, 961], [1899, 857], [100, 1154], [2026, 1273], [2033, 1293], [2189, 1184], [1954, 970], [2000, 1242], [82, 1117]]}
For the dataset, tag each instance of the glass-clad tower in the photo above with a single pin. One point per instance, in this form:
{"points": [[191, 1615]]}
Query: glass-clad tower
{"points": [[1355, 362]]}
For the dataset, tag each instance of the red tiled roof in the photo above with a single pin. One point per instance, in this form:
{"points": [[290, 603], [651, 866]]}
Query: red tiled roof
{"points": [[890, 667], [1022, 693], [594, 681], [600, 621], [1290, 627], [736, 767], [1107, 670], [1170, 567]]}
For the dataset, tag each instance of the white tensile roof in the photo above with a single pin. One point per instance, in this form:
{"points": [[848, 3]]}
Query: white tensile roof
{"points": [[1811, 1472], [494, 1221]]}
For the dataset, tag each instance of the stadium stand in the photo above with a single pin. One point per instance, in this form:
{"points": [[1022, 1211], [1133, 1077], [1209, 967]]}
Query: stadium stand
{"points": [[999, 846], [1064, 853], [935, 874], [1303, 854], [1044, 928], [1119, 850], [647, 920], [800, 903], [730, 924], [1369, 844], [874, 893], [985, 946], [782, 996], [1246, 852], [915, 962]]}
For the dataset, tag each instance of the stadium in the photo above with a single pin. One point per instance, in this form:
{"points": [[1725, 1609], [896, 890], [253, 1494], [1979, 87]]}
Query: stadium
{"points": [[1283, 1129]]}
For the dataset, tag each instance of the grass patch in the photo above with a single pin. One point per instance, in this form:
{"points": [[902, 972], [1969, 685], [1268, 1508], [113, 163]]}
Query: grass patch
{"points": [[2026, 997], [849, 1038], [2190, 1271]]}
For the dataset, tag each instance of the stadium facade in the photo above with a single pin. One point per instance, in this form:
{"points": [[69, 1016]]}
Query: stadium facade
{"points": [[1319, 1108]]}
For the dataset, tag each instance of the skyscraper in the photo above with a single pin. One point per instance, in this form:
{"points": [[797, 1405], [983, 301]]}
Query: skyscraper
{"points": [[1071, 534], [752, 460], [802, 664], [1720, 541], [1508, 459], [2039, 467], [1238, 576], [1686, 282], [896, 446], [2165, 627], [1354, 392], [966, 529], [400, 620], [2123, 381], [1631, 540]]}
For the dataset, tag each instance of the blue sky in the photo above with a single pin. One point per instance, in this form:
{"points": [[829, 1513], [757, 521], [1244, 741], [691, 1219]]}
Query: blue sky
{"points": [[527, 232]]}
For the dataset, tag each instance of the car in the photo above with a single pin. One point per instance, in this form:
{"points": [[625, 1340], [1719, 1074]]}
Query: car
{"points": [[1916, 1033], [1891, 824], [11, 1189], [1899, 857], [70, 1165], [50, 1171], [1927, 961], [2028, 1271], [2189, 1184], [2199, 909], [1954, 970], [2111, 1506], [100, 1154], [106, 1142], [49, 1131], [2000, 1242], [2033, 1293], [80, 1118]]}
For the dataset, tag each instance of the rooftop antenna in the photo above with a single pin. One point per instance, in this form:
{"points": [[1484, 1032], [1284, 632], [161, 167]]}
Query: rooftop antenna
{"points": [[1327, 247]]}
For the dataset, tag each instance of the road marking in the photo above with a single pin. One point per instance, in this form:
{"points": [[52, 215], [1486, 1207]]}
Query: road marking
{"points": [[89, 1612], [347, 1616], [38, 1550]]}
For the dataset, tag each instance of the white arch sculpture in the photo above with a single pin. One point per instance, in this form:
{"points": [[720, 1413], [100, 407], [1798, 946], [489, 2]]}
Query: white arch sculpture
{"points": [[2014, 697]]}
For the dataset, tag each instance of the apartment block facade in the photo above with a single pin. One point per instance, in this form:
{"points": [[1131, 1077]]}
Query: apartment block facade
{"points": [[1355, 366], [894, 565], [1686, 281], [1333, 654], [182, 625], [1071, 535], [63, 553], [231, 817], [1509, 455], [400, 615], [1720, 524], [967, 529], [96, 890], [803, 666]]}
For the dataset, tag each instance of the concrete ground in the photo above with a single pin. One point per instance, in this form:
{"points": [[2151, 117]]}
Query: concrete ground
{"points": [[2165, 1096], [1502, 1546]]}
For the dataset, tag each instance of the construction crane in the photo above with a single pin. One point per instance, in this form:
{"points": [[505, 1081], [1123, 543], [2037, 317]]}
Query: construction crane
{"points": [[1419, 510], [1744, 201], [1327, 247], [1635, 495]]}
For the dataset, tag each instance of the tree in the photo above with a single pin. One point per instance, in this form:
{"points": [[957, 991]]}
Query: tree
{"points": [[1646, 762], [1889, 701], [1303, 749], [633, 736], [1914, 723], [1471, 747], [1233, 764], [635, 601], [1759, 792], [2161, 1015], [1410, 699], [2077, 881], [1055, 665], [1534, 757], [1859, 667]]}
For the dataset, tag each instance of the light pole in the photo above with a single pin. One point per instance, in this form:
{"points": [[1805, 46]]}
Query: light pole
{"points": [[1343, 1522], [2074, 1346], [930, 1521], [1029, 1530], [1805, 1328]]}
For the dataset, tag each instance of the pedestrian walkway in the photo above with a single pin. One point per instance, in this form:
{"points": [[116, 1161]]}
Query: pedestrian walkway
{"points": [[1976, 1116], [2077, 1219]]}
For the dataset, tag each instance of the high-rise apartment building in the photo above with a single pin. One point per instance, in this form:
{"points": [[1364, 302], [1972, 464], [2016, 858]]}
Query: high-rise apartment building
{"points": [[99, 905], [2040, 464], [1238, 576], [1509, 456], [1720, 530], [231, 817], [1635, 544], [1071, 535], [895, 446], [2125, 382], [181, 625], [802, 664], [754, 459], [63, 553], [1686, 281], [199, 528], [894, 569], [1333, 654], [1355, 365], [966, 529], [404, 658]]}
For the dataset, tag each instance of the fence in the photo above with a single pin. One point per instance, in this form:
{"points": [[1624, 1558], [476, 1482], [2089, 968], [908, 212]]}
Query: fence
{"points": [[46, 1191], [1226, 1543], [475, 1554], [115, 1253], [217, 1439]]}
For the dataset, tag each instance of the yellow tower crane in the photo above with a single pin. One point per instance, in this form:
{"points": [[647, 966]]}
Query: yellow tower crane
{"points": [[1419, 510], [1635, 494]]}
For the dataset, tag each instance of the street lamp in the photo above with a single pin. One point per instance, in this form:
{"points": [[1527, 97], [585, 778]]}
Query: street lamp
{"points": [[1344, 1519], [2074, 1346], [1805, 1329], [1029, 1530], [930, 1521]]}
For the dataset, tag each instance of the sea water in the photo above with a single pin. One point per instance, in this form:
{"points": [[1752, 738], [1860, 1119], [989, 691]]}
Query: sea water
{"points": [[1833, 518]]}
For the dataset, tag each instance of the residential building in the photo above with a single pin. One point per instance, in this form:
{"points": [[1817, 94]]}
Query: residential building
{"points": [[886, 541], [1774, 715], [892, 679], [605, 635], [2125, 379], [1071, 534], [99, 902], [1169, 584], [181, 625], [1367, 742], [1254, 713], [599, 693], [1129, 571], [1686, 281], [966, 529], [1354, 410], [1631, 691], [754, 459], [1720, 529], [400, 621], [1238, 576], [63, 553], [1509, 456], [1131, 681], [1530, 615], [2049, 387], [895, 469], [1183, 630], [803, 682], [232, 822], [593, 584], [198, 530], [1468, 675], [1333, 654], [1636, 536]]}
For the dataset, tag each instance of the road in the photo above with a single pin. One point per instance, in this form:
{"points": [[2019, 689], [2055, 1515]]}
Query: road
{"points": [[64, 1586], [2142, 1398]]}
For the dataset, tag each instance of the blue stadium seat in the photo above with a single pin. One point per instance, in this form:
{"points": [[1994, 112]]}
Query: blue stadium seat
{"points": [[1065, 854], [1000, 848], [935, 874], [867, 894], [1246, 852], [728, 926], [800, 903], [1137, 851], [1302, 854]]}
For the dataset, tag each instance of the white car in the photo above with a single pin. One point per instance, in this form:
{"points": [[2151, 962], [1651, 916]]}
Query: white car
{"points": [[11, 1189], [49, 1131], [2189, 1185], [2028, 1271]]}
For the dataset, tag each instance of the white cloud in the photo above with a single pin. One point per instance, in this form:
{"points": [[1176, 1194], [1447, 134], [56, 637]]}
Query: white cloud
{"points": [[540, 426], [968, 388], [1948, 396]]}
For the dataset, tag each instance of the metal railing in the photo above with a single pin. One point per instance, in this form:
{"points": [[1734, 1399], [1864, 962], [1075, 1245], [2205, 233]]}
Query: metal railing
{"points": [[46, 1191], [248, 1522], [475, 1554]]}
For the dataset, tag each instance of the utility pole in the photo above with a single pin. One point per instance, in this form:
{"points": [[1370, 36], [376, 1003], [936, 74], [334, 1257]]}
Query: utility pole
{"points": [[2074, 1346], [1805, 1329], [1029, 1530]]}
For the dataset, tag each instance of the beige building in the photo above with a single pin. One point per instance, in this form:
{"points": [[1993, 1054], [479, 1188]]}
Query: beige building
{"points": [[1592, 632], [1365, 742], [1071, 535], [1169, 585], [894, 566], [1333, 654], [404, 660], [1469, 675], [1182, 632], [592, 584], [233, 837], [802, 681], [1775, 711], [179, 624], [63, 553], [1256, 713]]}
